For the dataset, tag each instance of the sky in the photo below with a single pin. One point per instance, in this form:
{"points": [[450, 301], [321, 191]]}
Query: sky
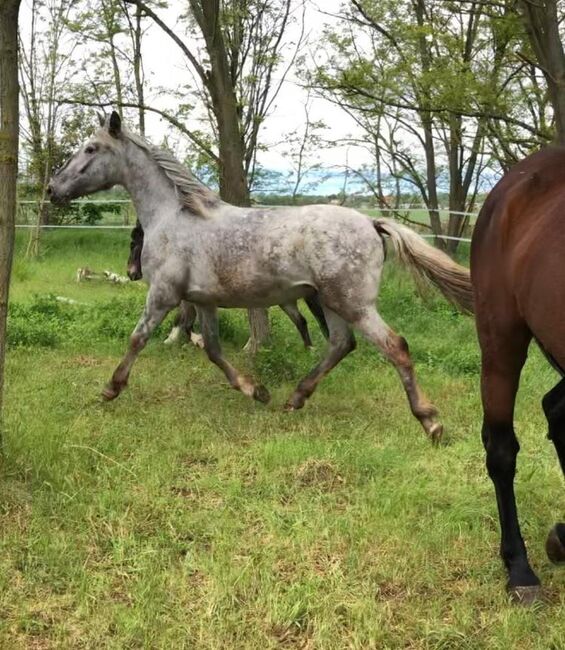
{"points": [[166, 66], [287, 113]]}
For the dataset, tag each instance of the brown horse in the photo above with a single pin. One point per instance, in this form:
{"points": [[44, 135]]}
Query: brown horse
{"points": [[518, 276]]}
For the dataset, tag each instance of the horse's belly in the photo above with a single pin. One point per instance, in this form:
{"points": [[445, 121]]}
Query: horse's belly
{"points": [[251, 296]]}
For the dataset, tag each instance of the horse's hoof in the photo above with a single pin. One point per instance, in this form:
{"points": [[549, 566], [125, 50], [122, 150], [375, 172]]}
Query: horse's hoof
{"points": [[555, 544], [261, 394], [435, 433], [294, 404], [109, 393], [197, 340], [525, 595]]}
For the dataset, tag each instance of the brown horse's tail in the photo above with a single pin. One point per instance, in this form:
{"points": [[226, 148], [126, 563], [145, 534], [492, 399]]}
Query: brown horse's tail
{"points": [[428, 263]]}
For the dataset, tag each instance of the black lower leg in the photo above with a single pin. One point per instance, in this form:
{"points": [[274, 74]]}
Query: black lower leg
{"points": [[553, 405], [187, 317], [502, 448]]}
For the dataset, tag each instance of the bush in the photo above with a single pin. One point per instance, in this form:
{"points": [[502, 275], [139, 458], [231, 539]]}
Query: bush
{"points": [[47, 322], [40, 323]]}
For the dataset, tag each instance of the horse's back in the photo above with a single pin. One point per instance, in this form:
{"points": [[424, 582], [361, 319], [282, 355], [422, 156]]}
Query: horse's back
{"points": [[518, 251], [524, 198]]}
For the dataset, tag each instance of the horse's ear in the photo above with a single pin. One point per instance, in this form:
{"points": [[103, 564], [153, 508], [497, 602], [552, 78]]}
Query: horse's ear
{"points": [[115, 125], [101, 118]]}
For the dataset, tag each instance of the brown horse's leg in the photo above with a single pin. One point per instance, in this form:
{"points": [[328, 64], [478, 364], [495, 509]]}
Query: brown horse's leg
{"points": [[156, 308], [292, 311], [554, 407], [315, 307], [342, 342], [209, 325], [395, 349], [136, 246], [183, 323], [503, 355]]}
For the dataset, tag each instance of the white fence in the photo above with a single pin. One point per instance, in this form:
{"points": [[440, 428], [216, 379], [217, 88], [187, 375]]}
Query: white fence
{"points": [[401, 211]]}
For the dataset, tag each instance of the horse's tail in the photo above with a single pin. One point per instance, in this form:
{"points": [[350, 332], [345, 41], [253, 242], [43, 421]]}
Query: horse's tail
{"points": [[428, 263]]}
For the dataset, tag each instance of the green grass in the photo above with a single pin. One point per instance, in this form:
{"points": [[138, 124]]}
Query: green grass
{"points": [[183, 515]]}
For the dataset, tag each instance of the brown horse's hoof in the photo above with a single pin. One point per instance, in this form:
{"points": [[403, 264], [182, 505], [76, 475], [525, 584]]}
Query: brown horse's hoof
{"points": [[526, 595], [435, 432], [110, 392], [554, 545], [261, 394], [294, 403]]}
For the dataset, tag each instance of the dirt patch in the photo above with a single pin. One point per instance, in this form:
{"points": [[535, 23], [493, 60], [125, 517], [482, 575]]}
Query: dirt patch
{"points": [[185, 492], [321, 474], [293, 636], [84, 361], [388, 590], [195, 461]]}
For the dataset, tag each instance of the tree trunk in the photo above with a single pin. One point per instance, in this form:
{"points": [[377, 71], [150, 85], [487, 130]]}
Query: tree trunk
{"points": [[233, 184], [541, 22], [138, 69], [431, 187], [427, 126], [456, 194], [232, 181], [9, 95]]}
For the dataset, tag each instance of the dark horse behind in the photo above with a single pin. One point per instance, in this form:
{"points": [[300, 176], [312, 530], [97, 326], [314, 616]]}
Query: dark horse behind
{"points": [[518, 276]]}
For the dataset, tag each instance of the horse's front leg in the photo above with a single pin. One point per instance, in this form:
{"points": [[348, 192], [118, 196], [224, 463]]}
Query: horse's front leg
{"points": [[209, 326], [158, 304]]}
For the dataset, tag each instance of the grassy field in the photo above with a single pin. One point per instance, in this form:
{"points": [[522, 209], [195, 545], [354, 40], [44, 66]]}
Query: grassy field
{"points": [[183, 515]]}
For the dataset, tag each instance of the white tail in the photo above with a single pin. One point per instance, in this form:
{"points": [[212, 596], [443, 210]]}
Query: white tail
{"points": [[429, 263]]}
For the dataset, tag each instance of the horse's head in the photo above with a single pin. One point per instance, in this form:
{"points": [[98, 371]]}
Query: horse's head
{"points": [[97, 165]]}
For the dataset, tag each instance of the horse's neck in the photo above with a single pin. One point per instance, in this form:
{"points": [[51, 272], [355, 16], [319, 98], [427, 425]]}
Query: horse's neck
{"points": [[150, 191]]}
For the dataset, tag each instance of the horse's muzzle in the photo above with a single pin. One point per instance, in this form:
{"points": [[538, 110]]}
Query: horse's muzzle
{"points": [[55, 197], [134, 272]]}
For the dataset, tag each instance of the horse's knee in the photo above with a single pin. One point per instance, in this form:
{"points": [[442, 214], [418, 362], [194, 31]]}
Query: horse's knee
{"points": [[349, 344], [343, 343], [137, 341], [502, 447]]}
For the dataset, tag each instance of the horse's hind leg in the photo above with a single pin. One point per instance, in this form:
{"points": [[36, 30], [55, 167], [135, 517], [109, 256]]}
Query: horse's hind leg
{"points": [[504, 351], [395, 349], [341, 342], [183, 323], [554, 407], [209, 325], [292, 311], [157, 306]]}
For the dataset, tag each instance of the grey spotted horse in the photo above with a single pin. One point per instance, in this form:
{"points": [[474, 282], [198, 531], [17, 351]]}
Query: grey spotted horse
{"points": [[186, 317], [213, 254]]}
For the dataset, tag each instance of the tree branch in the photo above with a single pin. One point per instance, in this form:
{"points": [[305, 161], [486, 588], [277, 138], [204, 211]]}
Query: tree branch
{"points": [[189, 55], [167, 116]]}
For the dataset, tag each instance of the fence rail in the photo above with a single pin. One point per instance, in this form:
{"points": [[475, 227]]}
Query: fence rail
{"points": [[129, 226]]}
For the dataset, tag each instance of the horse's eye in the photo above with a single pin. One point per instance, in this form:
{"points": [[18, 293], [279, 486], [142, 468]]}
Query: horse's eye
{"points": [[90, 149]]}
